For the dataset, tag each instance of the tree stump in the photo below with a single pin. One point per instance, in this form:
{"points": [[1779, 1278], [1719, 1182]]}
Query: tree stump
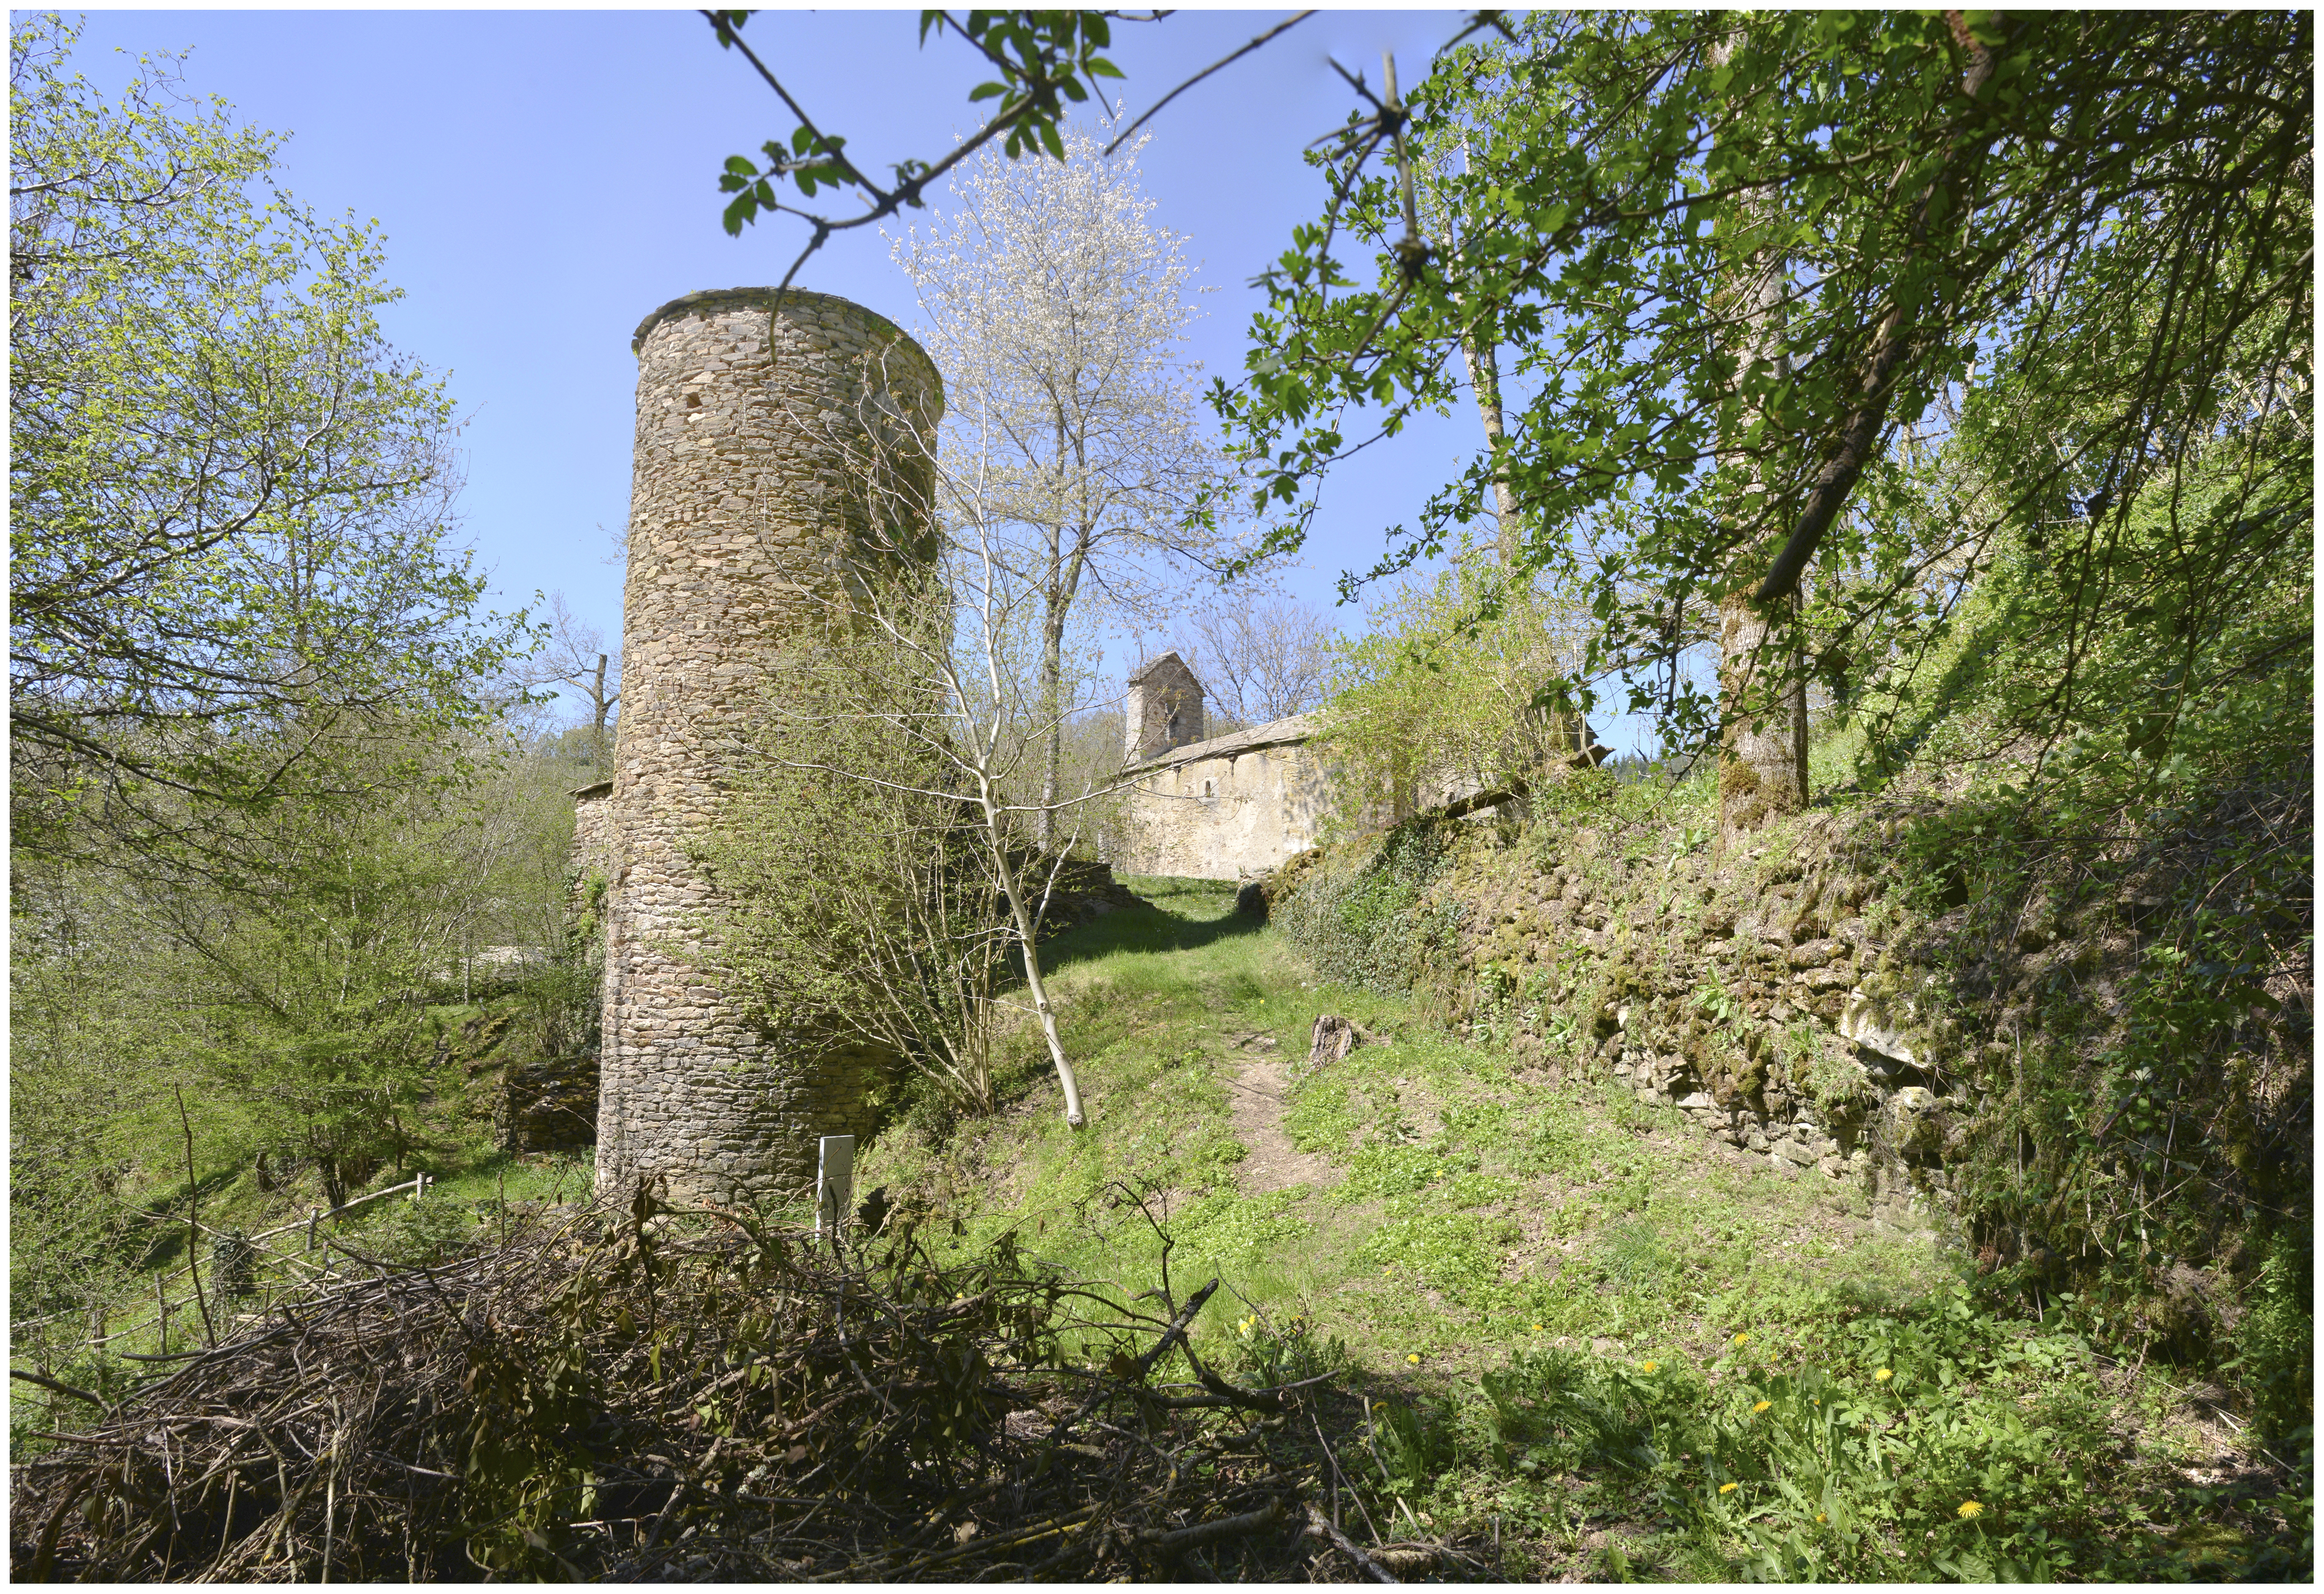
{"points": [[1333, 1039]]}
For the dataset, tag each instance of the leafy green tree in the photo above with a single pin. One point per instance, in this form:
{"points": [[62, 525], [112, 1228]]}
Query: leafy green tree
{"points": [[2090, 211], [294, 1007], [228, 498], [862, 906], [1442, 697]]}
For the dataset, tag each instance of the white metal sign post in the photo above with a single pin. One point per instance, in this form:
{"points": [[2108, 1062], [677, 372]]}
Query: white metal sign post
{"points": [[835, 1183]]}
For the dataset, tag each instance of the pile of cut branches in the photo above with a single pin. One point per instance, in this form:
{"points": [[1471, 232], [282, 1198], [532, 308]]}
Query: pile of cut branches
{"points": [[702, 1395]]}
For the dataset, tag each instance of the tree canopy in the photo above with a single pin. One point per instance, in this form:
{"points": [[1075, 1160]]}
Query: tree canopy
{"points": [[2083, 238], [229, 498]]}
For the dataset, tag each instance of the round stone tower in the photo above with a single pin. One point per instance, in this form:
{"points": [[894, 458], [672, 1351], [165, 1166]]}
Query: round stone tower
{"points": [[779, 433]]}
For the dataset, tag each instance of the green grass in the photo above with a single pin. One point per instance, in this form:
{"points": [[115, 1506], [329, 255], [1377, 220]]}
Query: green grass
{"points": [[1471, 1202], [1541, 1290], [1563, 1309]]}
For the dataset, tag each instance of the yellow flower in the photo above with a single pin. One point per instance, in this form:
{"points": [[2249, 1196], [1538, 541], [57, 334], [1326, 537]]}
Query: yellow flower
{"points": [[1884, 1375], [1970, 1509], [1763, 1405], [1727, 1488], [1819, 1516], [1413, 1358], [1742, 1339], [1650, 1367], [1245, 1326], [1537, 1328]]}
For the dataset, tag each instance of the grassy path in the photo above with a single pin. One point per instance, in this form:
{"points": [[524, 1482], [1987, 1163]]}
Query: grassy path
{"points": [[1419, 1195], [1571, 1315]]}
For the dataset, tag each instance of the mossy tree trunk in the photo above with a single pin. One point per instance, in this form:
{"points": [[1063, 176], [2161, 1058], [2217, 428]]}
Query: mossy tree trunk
{"points": [[1763, 753]]}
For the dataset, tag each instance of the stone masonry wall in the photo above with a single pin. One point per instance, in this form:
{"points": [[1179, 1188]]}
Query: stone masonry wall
{"points": [[1756, 994], [757, 412], [593, 848], [1234, 807]]}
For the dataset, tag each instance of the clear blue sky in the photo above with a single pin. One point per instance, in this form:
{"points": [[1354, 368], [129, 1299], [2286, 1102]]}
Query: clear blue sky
{"points": [[544, 179]]}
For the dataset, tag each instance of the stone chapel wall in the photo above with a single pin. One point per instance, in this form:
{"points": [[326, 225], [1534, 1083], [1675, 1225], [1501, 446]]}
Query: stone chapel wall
{"points": [[748, 514], [1234, 807]]}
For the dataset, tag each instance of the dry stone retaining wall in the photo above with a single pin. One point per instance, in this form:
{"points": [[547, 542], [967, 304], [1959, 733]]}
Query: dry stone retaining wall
{"points": [[1754, 997], [1758, 994], [763, 416]]}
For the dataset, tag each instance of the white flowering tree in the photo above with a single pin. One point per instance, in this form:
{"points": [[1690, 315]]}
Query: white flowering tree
{"points": [[879, 865], [1057, 311]]}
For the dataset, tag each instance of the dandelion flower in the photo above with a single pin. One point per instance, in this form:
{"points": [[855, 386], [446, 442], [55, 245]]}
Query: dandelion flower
{"points": [[1971, 1508], [1650, 1367], [1884, 1375], [1820, 1517], [1413, 1358], [1763, 1405], [1742, 1339], [1727, 1488], [1537, 1328]]}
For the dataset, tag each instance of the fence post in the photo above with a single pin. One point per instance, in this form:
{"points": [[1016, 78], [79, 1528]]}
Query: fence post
{"points": [[162, 1311], [314, 1216]]}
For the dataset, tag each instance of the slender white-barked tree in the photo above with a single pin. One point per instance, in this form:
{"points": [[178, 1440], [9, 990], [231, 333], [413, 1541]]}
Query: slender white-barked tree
{"points": [[1057, 310]]}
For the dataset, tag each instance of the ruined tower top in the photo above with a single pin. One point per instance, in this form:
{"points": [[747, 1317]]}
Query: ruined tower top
{"points": [[1164, 708]]}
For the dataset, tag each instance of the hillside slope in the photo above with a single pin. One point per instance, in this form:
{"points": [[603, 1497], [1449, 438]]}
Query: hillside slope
{"points": [[1492, 1249]]}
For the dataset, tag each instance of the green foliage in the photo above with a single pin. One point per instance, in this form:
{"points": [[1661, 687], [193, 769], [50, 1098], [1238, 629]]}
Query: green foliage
{"points": [[260, 803], [2275, 1343], [1622, 180], [2179, 659], [1047, 61], [228, 498], [1360, 914], [862, 901], [1920, 1443], [311, 1014], [1411, 1444], [1455, 687], [1474, 1216], [2137, 1153]]}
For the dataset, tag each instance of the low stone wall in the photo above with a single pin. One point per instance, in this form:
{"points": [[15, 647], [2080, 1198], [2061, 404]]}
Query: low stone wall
{"points": [[1756, 998], [1766, 996], [1234, 807], [592, 850], [547, 1105]]}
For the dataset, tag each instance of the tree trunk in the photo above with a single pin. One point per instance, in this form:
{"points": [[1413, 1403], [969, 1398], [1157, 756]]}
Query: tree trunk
{"points": [[1762, 751], [1025, 919], [1485, 381], [1762, 757], [1053, 737]]}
